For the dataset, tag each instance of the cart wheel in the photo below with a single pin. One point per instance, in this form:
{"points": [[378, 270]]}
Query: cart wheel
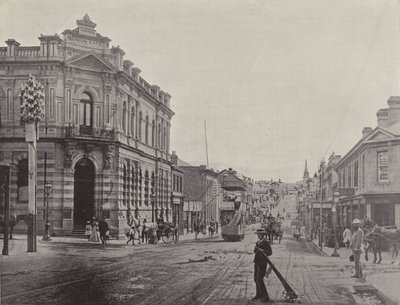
{"points": [[167, 236], [290, 297]]}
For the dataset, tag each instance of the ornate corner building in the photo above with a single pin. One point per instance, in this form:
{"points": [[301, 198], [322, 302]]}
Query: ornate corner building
{"points": [[104, 143]]}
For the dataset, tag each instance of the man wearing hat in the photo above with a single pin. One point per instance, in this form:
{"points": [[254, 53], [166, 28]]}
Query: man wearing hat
{"points": [[261, 250], [355, 244]]}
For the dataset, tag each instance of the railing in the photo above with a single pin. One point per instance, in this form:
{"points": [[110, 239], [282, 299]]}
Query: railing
{"points": [[27, 51], [84, 131]]}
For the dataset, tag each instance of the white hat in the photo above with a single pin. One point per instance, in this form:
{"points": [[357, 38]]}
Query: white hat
{"points": [[356, 221]]}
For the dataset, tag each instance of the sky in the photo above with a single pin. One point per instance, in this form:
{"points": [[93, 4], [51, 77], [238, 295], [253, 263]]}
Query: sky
{"points": [[277, 81]]}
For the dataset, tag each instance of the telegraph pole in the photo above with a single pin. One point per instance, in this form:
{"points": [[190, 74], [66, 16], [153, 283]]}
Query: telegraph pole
{"points": [[320, 208], [5, 184]]}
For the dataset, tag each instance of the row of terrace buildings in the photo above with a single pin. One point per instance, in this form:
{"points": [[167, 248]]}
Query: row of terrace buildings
{"points": [[104, 144], [366, 179]]}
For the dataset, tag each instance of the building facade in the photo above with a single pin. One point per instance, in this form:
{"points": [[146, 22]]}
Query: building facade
{"points": [[369, 174], [202, 195], [106, 134], [177, 194]]}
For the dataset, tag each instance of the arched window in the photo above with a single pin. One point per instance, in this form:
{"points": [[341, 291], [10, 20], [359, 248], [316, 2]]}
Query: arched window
{"points": [[146, 130], [159, 135], [153, 132], [85, 113], [3, 106], [140, 125], [164, 138], [124, 117], [146, 188], [133, 121]]}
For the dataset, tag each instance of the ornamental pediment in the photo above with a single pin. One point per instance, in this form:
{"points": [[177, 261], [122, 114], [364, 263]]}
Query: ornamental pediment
{"points": [[91, 62], [379, 135]]}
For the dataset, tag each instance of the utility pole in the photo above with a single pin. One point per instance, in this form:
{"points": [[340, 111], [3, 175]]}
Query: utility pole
{"points": [[205, 135], [321, 200], [5, 185]]}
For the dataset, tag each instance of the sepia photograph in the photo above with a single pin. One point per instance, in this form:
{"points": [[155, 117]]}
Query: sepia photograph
{"points": [[199, 152]]}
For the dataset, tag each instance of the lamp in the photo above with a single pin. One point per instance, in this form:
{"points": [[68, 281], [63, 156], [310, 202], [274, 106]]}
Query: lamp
{"points": [[47, 189], [153, 199], [335, 202]]}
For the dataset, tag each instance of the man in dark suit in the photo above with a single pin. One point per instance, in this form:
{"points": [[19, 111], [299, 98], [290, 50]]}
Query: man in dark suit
{"points": [[103, 228], [261, 250]]}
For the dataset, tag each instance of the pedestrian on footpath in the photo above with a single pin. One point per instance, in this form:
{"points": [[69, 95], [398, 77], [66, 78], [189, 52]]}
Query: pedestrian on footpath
{"points": [[88, 230], [261, 250], [94, 237], [144, 231], [355, 244], [103, 229], [347, 237], [326, 233]]}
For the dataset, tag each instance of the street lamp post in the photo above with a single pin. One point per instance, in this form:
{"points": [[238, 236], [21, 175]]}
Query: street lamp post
{"points": [[152, 198], [311, 199], [47, 188], [335, 201]]}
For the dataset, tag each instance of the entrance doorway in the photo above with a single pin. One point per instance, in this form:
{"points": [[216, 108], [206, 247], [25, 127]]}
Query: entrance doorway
{"points": [[83, 191]]}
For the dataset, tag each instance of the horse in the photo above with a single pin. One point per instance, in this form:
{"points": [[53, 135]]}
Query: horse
{"points": [[14, 219], [376, 237], [278, 233], [269, 227]]}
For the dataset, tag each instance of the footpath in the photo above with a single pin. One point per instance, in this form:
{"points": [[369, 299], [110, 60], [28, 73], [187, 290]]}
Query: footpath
{"points": [[18, 245], [385, 277]]}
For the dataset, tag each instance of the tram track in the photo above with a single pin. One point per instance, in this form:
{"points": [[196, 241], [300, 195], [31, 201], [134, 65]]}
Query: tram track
{"points": [[71, 277]]}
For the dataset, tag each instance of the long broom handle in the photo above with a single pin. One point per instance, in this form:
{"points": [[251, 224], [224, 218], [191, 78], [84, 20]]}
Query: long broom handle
{"points": [[279, 275]]}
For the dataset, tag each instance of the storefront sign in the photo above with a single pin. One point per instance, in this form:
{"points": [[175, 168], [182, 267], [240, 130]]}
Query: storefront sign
{"points": [[346, 192]]}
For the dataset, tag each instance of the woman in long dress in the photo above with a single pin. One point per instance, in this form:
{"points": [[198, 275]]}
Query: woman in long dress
{"points": [[94, 237]]}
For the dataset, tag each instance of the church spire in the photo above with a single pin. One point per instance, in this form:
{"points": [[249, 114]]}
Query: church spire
{"points": [[306, 173]]}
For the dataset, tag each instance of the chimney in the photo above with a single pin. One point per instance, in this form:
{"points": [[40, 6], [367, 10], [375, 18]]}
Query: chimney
{"points": [[382, 116], [119, 57], [174, 158], [366, 131], [129, 65], [167, 99], [12, 44], [49, 45], [156, 91], [135, 73], [394, 110]]}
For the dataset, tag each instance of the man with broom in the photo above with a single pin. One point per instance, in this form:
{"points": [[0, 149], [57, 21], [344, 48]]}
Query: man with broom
{"points": [[261, 250]]}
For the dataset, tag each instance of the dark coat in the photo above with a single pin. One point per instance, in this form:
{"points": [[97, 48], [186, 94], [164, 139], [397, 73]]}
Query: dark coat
{"points": [[103, 227], [262, 247]]}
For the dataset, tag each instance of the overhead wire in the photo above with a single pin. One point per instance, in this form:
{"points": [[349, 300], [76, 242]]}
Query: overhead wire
{"points": [[371, 45]]}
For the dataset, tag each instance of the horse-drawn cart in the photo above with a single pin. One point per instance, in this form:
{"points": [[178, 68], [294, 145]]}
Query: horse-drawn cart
{"points": [[166, 231]]}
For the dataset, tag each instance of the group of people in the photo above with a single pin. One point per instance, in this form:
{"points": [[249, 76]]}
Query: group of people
{"points": [[201, 227], [343, 235], [97, 230], [138, 230]]}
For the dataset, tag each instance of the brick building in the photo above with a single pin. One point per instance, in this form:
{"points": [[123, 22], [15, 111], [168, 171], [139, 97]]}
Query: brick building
{"points": [[370, 172], [106, 132]]}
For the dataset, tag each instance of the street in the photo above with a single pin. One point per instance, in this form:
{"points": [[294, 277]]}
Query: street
{"points": [[77, 272]]}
